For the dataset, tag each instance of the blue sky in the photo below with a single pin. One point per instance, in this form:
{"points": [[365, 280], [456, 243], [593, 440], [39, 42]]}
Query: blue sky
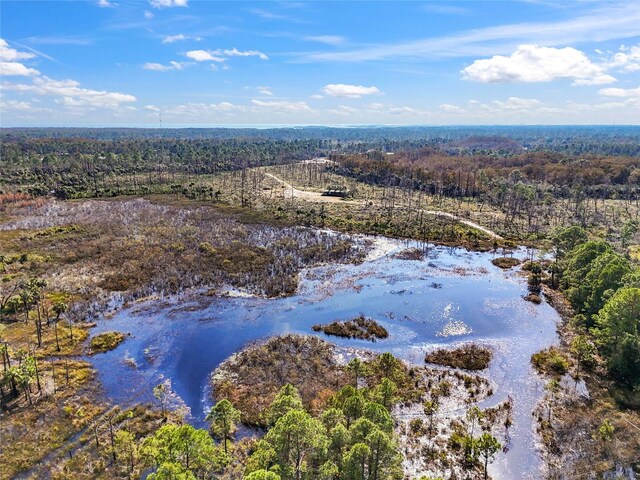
{"points": [[110, 62]]}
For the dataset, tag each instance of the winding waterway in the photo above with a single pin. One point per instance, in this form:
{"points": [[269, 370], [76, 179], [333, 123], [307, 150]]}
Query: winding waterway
{"points": [[451, 296]]}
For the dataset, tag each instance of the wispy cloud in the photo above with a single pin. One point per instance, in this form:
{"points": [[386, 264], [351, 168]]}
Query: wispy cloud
{"points": [[158, 67], [282, 106], [168, 3], [270, 15], [445, 9], [69, 93], [334, 40], [607, 23], [222, 55], [349, 91], [620, 92], [81, 41], [179, 38]]}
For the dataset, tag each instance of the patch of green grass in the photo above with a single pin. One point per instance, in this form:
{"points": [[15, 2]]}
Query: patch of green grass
{"points": [[550, 361], [103, 342]]}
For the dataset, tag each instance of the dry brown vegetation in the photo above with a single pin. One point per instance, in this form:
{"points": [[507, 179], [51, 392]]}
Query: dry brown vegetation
{"points": [[251, 378], [360, 327], [140, 247], [95, 255], [505, 262], [467, 357]]}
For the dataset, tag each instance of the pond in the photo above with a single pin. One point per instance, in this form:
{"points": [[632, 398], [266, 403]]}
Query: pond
{"points": [[451, 296]]}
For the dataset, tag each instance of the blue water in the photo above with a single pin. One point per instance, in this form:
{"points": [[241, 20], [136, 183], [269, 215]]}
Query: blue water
{"points": [[449, 297]]}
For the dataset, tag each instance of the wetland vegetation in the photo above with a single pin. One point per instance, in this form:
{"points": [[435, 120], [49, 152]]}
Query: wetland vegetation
{"points": [[92, 227], [466, 357], [359, 327]]}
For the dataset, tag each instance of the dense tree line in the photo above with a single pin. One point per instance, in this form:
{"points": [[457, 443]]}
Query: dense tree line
{"points": [[604, 289], [577, 140], [83, 167]]}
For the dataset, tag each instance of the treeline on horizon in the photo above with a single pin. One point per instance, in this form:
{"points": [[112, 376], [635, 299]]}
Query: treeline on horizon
{"points": [[608, 140], [602, 162]]}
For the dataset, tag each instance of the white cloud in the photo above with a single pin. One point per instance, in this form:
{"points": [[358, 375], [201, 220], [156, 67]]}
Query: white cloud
{"points": [[174, 38], [168, 3], [530, 110], [148, 14], [20, 106], [282, 106], [8, 54], [627, 59], [375, 106], [16, 69], [620, 92], [334, 40], [448, 108], [349, 91], [202, 111], [204, 56], [106, 4], [234, 52], [222, 55], [317, 96], [265, 91], [152, 108], [8, 64], [158, 67], [406, 110], [71, 94], [179, 38], [532, 63]]}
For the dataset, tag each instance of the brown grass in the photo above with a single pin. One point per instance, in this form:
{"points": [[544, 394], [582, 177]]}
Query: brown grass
{"points": [[360, 327], [251, 378], [467, 357]]}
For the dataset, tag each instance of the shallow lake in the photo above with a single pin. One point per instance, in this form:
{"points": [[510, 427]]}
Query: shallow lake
{"points": [[451, 296]]}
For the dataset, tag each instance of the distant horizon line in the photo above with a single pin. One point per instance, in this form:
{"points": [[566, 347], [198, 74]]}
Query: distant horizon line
{"points": [[267, 126]]}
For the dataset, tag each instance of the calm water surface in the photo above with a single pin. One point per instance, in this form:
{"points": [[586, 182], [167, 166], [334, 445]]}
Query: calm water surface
{"points": [[451, 296]]}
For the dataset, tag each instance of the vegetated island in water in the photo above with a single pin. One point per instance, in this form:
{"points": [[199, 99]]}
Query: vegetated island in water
{"points": [[360, 327], [505, 262], [467, 357], [106, 341]]}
